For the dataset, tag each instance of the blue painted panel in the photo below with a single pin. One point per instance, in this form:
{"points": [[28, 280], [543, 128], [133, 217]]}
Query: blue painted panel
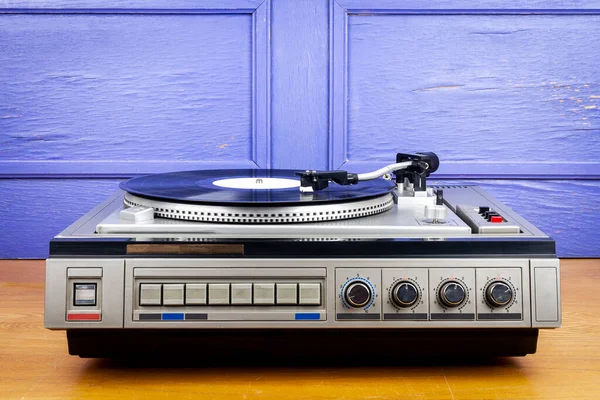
{"points": [[495, 89], [137, 87], [33, 211], [167, 84], [483, 90], [299, 84]]}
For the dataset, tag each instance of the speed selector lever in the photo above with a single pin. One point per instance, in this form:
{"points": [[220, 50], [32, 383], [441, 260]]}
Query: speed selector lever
{"points": [[437, 213]]}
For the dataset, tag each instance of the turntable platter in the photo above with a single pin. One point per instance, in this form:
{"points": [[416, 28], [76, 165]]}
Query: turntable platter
{"points": [[253, 196]]}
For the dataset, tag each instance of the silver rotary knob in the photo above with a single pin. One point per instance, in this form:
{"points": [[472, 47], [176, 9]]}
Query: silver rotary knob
{"points": [[405, 294], [452, 294], [358, 294], [499, 294]]}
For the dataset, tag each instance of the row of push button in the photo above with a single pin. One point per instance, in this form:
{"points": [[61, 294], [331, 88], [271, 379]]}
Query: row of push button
{"points": [[490, 215], [179, 294]]}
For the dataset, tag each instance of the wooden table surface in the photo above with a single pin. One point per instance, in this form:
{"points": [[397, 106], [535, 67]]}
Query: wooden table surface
{"points": [[34, 363]]}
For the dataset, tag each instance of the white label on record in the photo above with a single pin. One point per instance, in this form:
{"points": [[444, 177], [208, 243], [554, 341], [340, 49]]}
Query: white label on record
{"points": [[257, 183]]}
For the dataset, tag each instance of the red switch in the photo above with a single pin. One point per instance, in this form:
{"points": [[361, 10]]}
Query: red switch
{"points": [[496, 219]]}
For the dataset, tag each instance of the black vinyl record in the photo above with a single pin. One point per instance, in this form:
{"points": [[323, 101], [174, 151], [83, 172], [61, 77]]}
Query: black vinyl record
{"points": [[246, 186]]}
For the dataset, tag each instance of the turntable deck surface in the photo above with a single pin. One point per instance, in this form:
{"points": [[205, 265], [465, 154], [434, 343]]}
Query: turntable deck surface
{"points": [[35, 365], [392, 223]]}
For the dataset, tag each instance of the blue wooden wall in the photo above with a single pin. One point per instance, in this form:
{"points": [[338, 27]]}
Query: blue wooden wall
{"points": [[95, 91]]}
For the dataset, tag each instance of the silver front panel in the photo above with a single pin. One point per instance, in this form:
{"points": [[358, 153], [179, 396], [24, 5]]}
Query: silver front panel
{"points": [[311, 293], [61, 277]]}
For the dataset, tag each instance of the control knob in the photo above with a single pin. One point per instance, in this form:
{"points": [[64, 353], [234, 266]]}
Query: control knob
{"points": [[498, 294], [452, 294], [358, 294], [405, 294]]}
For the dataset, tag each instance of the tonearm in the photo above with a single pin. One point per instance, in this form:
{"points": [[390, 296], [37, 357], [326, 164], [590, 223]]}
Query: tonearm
{"points": [[411, 168]]}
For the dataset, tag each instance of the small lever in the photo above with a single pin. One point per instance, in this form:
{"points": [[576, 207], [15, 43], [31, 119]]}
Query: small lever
{"points": [[439, 197]]}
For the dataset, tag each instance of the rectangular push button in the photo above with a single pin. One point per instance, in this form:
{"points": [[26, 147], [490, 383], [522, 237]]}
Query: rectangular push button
{"points": [[241, 293], [85, 294], [218, 293], [264, 293], [310, 294], [195, 294], [287, 293], [173, 294], [150, 294]]}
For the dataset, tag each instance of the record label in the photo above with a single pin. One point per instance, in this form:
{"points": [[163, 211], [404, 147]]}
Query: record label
{"points": [[257, 183]]}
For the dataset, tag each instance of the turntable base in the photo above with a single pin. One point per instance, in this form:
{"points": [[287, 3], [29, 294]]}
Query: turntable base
{"points": [[248, 255]]}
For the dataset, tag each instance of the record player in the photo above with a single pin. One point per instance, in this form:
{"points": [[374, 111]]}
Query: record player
{"points": [[302, 264]]}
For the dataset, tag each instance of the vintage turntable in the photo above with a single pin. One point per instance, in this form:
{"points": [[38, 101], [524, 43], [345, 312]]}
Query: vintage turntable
{"points": [[302, 264]]}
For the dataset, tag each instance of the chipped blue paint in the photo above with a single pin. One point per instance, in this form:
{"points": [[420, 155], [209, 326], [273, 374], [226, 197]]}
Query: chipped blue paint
{"points": [[101, 90]]}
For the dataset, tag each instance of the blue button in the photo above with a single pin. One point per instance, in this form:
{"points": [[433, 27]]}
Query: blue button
{"points": [[172, 316], [310, 316]]}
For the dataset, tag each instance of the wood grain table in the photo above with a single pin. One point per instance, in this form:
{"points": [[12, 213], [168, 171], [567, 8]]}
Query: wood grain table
{"points": [[34, 363]]}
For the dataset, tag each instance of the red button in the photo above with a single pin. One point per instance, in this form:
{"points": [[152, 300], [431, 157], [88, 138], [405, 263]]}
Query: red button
{"points": [[83, 317], [496, 219]]}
